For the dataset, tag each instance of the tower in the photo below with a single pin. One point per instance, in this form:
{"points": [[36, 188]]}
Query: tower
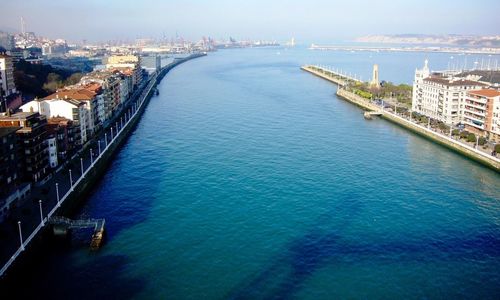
{"points": [[375, 80]]}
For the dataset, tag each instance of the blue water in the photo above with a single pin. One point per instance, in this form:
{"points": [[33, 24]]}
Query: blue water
{"points": [[248, 179]]}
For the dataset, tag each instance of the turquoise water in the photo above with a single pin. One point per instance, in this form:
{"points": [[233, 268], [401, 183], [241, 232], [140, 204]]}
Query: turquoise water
{"points": [[247, 178]]}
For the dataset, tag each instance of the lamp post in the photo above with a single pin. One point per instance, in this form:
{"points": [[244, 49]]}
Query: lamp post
{"points": [[477, 141], [71, 179], [105, 140], [81, 164], [57, 194], [111, 132], [20, 235], [91, 157], [99, 145], [41, 213]]}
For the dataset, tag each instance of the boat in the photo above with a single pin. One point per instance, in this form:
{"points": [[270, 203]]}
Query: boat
{"points": [[367, 115]]}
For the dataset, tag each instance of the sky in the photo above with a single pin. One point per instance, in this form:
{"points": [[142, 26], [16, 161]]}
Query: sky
{"points": [[306, 20]]}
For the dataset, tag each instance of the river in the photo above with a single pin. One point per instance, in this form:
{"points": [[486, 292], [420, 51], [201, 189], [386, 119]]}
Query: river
{"points": [[247, 178]]}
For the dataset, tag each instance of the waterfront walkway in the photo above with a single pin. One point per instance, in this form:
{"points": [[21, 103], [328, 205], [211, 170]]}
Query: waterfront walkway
{"points": [[446, 139], [33, 215]]}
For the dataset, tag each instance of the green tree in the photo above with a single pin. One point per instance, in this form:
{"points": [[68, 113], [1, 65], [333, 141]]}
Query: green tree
{"points": [[497, 148], [471, 137], [482, 140]]}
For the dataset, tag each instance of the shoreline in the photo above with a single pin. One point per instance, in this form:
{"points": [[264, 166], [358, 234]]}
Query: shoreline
{"points": [[465, 150], [82, 186]]}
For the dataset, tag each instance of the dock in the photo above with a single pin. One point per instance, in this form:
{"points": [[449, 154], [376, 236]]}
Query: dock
{"points": [[61, 225]]}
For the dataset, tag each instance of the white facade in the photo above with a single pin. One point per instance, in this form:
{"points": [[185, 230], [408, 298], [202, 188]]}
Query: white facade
{"points": [[441, 98], [73, 110], [52, 146]]}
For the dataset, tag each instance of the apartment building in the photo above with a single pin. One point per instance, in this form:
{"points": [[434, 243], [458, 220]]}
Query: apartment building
{"points": [[481, 113]]}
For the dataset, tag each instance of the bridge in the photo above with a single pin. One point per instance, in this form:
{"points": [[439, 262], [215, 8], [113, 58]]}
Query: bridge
{"points": [[335, 76]]}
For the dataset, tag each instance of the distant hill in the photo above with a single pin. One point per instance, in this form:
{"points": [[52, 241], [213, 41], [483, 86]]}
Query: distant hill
{"points": [[446, 39]]}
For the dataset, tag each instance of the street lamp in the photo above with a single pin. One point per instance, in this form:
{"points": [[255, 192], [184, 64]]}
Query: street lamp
{"points": [[91, 156], [81, 164], [20, 235], [105, 140], [99, 145], [41, 213], [71, 179], [57, 194]]}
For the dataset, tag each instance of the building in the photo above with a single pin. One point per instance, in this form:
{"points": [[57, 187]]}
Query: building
{"points": [[441, 96], [7, 84], [11, 188], [71, 109], [52, 151], [481, 113], [89, 95], [32, 147], [8, 160], [66, 134], [110, 84], [6, 40], [127, 61]]}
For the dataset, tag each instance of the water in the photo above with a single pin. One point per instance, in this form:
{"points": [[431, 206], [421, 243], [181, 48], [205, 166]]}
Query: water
{"points": [[247, 178]]}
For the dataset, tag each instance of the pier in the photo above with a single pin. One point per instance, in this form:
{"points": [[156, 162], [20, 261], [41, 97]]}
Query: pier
{"points": [[406, 122], [335, 76], [86, 171]]}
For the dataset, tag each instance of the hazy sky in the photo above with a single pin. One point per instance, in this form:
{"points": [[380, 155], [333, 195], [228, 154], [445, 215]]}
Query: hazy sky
{"points": [[306, 20]]}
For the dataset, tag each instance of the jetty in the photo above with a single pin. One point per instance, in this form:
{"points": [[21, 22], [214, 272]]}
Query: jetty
{"points": [[406, 122], [61, 226], [333, 75]]}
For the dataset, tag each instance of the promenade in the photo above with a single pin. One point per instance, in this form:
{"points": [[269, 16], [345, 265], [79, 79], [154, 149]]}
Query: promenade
{"points": [[71, 182], [471, 151]]}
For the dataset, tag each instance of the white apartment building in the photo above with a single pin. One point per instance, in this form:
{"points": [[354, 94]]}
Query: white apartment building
{"points": [[71, 109], [440, 97]]}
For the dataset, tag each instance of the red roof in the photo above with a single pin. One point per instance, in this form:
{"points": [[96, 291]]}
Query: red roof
{"points": [[486, 93]]}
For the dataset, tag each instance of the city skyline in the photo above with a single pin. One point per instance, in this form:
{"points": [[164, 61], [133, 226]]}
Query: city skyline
{"points": [[312, 21]]}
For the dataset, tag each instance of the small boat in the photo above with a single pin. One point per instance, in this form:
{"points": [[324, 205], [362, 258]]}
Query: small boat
{"points": [[367, 116]]}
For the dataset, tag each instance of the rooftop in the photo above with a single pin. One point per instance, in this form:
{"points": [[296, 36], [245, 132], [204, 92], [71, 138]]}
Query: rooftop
{"points": [[459, 82], [4, 131], [486, 93]]}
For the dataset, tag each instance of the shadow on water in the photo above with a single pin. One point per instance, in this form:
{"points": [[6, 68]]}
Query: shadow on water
{"points": [[318, 248], [105, 281]]}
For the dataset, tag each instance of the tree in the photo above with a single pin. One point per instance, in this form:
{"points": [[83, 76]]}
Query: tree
{"points": [[497, 148], [471, 137], [482, 140], [455, 132]]}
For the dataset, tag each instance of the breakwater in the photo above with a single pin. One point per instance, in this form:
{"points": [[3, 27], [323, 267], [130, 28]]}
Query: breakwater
{"points": [[466, 150], [114, 137]]}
